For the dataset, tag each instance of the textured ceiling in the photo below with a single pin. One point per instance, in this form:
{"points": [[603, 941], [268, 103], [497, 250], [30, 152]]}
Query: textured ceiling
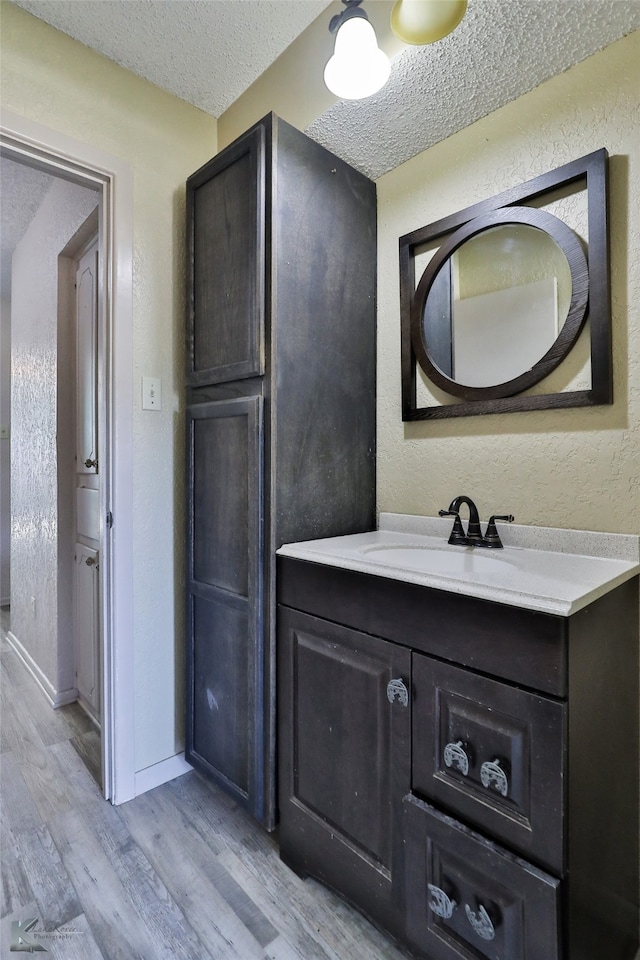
{"points": [[205, 51], [502, 49]]}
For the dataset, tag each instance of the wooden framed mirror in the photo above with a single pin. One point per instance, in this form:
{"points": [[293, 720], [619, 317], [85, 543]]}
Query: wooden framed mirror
{"points": [[494, 299]]}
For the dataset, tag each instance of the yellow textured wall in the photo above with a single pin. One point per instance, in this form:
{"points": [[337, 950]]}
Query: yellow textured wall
{"points": [[55, 81], [575, 468]]}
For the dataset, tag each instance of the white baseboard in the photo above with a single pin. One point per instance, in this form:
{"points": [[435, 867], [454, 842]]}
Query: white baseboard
{"points": [[63, 697], [57, 698], [145, 779], [41, 678], [161, 773]]}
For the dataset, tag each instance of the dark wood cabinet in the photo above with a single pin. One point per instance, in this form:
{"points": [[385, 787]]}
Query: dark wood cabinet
{"points": [[281, 418], [513, 830]]}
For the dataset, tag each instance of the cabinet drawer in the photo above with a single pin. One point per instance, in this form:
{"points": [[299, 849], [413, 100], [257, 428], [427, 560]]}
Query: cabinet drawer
{"points": [[467, 899], [492, 754], [492, 638]]}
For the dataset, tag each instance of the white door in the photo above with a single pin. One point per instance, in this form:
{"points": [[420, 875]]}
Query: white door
{"points": [[87, 628], [87, 363], [87, 594]]}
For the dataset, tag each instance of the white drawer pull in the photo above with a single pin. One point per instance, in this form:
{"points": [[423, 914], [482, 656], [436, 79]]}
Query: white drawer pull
{"points": [[481, 922], [398, 688], [456, 756], [493, 776], [442, 905]]}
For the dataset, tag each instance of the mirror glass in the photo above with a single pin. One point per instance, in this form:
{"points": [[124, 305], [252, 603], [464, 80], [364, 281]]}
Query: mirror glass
{"points": [[497, 305]]}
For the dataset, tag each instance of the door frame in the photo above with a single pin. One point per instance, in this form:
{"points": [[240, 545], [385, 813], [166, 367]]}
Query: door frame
{"points": [[29, 142]]}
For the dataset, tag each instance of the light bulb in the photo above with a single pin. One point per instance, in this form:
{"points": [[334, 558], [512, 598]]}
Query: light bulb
{"points": [[357, 68], [425, 21]]}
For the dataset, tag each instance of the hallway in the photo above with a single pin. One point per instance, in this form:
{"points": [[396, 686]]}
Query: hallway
{"points": [[179, 873]]}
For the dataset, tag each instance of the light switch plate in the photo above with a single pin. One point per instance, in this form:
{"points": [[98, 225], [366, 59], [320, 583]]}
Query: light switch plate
{"points": [[151, 393]]}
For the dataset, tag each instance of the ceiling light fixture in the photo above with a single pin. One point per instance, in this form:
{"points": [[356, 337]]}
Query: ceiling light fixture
{"points": [[425, 21], [358, 68]]}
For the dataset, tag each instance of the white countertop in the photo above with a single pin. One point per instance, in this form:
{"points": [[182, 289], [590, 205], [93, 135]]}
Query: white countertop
{"points": [[540, 568]]}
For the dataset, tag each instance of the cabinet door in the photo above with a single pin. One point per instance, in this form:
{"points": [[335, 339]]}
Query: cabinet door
{"points": [[225, 649], [226, 263], [344, 730]]}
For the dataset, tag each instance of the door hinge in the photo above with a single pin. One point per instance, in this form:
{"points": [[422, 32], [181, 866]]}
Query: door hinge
{"points": [[109, 519]]}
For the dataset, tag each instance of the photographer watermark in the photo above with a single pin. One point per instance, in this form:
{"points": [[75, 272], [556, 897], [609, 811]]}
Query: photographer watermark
{"points": [[24, 940]]}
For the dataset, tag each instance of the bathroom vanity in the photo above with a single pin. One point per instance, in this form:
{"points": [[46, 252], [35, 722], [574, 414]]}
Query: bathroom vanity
{"points": [[458, 736]]}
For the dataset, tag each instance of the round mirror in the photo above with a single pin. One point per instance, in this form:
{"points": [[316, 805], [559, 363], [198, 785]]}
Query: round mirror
{"points": [[500, 304]]}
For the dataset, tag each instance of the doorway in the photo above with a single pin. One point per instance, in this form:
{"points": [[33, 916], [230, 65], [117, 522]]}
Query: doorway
{"points": [[46, 150]]}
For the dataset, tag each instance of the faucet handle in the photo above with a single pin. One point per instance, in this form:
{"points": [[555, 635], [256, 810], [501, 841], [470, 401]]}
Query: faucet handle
{"points": [[492, 537], [457, 536]]}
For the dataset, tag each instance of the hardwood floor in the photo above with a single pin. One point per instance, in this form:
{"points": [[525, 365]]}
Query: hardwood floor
{"points": [[179, 873]]}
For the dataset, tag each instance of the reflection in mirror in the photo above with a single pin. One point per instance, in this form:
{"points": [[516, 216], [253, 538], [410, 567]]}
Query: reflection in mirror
{"points": [[497, 305]]}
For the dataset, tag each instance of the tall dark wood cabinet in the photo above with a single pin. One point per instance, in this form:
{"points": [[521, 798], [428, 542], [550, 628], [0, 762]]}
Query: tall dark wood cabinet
{"points": [[281, 418]]}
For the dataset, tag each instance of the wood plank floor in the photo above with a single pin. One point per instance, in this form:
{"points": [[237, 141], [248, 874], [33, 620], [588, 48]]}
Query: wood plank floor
{"points": [[179, 873]]}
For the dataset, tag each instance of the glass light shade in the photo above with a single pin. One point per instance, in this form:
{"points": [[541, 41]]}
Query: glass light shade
{"points": [[425, 21], [357, 68]]}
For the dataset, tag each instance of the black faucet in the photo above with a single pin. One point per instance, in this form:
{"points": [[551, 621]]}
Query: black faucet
{"points": [[473, 537]]}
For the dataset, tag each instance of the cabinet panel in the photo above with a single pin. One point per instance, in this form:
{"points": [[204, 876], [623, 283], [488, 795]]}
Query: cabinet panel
{"points": [[221, 686], [337, 693], [343, 755], [225, 695], [326, 343], [494, 754], [220, 499], [226, 234], [468, 899]]}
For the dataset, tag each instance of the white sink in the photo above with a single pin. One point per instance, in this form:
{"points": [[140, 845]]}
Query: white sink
{"points": [[446, 560], [551, 571]]}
